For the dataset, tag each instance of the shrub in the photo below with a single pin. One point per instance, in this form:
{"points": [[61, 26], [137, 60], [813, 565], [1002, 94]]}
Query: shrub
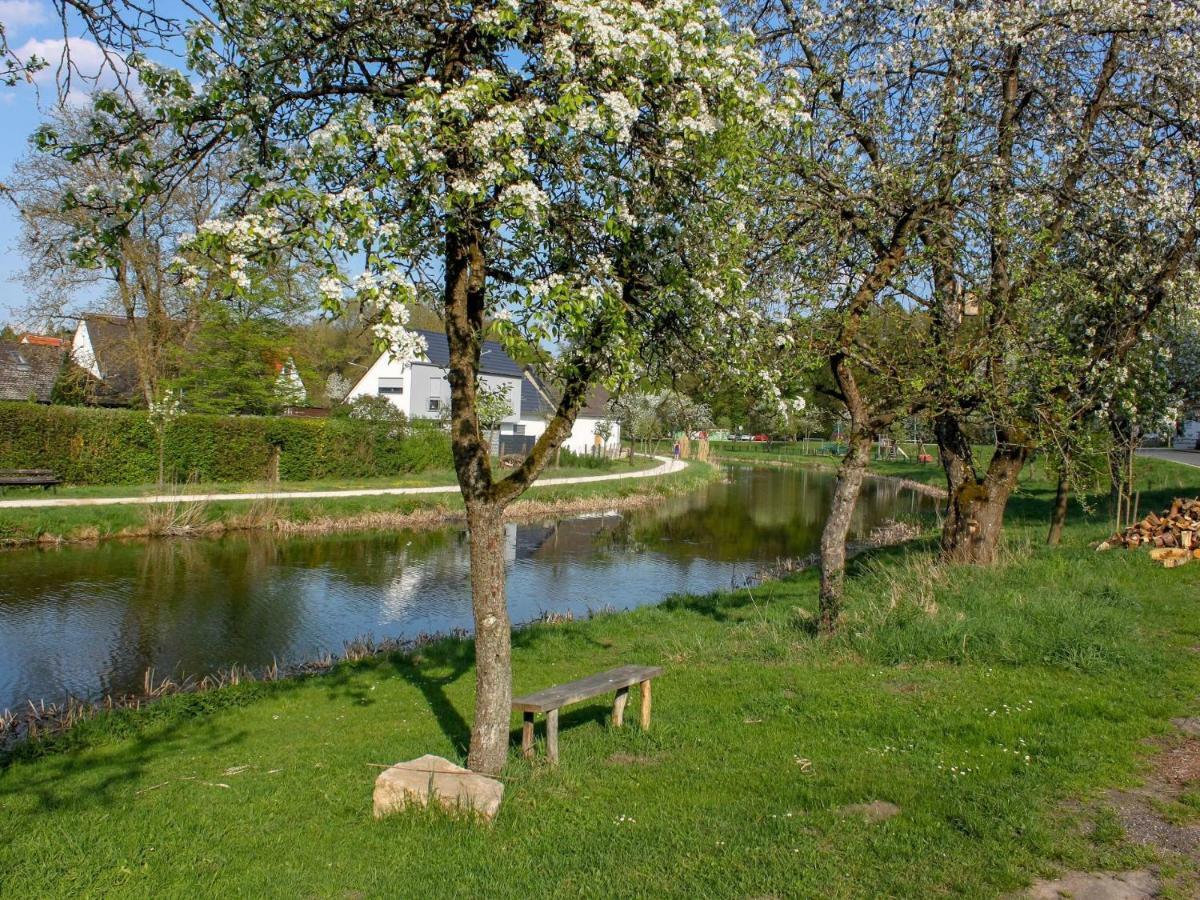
{"points": [[107, 446], [568, 457]]}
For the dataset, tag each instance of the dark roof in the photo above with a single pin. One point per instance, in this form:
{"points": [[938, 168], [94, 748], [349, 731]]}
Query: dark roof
{"points": [[492, 361], [537, 399], [596, 405], [116, 354], [29, 371], [114, 345]]}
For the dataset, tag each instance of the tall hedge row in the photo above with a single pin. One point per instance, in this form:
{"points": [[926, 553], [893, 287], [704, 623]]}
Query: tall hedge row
{"points": [[109, 446]]}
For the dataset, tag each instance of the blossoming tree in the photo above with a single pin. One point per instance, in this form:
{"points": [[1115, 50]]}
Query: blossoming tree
{"points": [[1082, 214], [569, 171], [958, 149]]}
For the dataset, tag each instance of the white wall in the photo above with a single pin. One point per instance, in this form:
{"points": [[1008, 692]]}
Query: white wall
{"points": [[289, 385], [583, 434], [82, 352], [384, 367], [421, 381]]}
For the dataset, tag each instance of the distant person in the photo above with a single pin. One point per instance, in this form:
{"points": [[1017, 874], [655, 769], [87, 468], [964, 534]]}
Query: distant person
{"points": [[677, 449]]}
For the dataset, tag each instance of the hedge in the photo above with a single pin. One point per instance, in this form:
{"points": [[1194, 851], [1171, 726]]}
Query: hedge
{"points": [[116, 446]]}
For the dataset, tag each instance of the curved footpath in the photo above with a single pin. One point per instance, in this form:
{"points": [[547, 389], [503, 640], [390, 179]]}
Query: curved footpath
{"points": [[1182, 457], [668, 467]]}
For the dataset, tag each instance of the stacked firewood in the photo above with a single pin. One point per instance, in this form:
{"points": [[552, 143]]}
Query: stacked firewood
{"points": [[1171, 536]]}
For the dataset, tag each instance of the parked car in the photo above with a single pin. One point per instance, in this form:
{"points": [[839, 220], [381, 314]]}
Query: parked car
{"points": [[761, 438]]}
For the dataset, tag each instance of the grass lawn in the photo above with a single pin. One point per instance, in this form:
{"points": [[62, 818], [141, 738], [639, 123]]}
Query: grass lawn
{"points": [[993, 706], [20, 526]]}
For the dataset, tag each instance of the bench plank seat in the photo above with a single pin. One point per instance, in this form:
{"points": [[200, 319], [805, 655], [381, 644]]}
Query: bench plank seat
{"points": [[551, 699], [585, 688], [29, 478]]}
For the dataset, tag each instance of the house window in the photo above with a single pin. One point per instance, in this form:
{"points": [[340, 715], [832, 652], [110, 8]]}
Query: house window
{"points": [[435, 404], [386, 389], [391, 387]]}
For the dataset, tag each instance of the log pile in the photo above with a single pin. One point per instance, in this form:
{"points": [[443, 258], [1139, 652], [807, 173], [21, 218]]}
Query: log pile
{"points": [[1172, 536]]}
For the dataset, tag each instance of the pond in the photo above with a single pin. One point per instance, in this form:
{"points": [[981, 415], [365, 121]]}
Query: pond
{"points": [[91, 620]]}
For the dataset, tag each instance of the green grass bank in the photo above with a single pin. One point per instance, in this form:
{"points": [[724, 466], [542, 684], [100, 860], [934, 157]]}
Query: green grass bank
{"points": [[993, 707]]}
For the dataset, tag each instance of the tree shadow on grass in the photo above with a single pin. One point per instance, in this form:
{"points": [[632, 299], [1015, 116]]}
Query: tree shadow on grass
{"points": [[451, 659], [98, 776], [97, 762], [720, 607]]}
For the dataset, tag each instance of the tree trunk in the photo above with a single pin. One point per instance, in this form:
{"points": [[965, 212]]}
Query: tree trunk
{"points": [[493, 639], [1058, 517], [954, 450], [837, 526], [975, 510]]}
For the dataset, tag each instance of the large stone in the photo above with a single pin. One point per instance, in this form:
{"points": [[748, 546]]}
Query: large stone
{"points": [[455, 788]]}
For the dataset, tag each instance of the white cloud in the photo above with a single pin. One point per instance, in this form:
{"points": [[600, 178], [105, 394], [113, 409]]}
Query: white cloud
{"points": [[18, 15], [90, 67], [87, 59]]}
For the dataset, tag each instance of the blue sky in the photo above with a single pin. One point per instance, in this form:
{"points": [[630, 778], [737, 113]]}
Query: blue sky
{"points": [[24, 21], [31, 26]]}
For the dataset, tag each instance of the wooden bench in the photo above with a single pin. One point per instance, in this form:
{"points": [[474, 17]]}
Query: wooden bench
{"points": [[43, 478], [552, 699]]}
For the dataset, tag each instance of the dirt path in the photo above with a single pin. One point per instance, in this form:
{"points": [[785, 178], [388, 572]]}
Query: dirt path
{"points": [[1160, 815], [668, 466]]}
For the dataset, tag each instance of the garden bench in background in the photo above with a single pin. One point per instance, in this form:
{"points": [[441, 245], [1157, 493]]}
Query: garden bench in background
{"points": [[552, 699], [43, 478]]}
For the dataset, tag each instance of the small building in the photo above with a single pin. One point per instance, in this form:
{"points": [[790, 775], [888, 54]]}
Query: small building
{"points": [[29, 371], [538, 403]]}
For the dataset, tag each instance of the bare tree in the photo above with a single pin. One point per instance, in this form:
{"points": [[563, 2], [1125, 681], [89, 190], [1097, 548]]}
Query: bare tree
{"points": [[64, 203]]}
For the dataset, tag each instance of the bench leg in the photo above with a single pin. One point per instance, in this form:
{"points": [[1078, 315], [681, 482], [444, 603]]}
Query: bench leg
{"points": [[646, 705], [619, 707], [552, 736], [527, 736]]}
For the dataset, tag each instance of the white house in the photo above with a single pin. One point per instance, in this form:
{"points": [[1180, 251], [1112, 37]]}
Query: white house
{"points": [[289, 386], [106, 348], [420, 389], [538, 404]]}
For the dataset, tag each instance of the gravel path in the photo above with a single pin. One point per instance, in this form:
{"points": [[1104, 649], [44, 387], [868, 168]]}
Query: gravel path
{"points": [[667, 467], [1183, 457]]}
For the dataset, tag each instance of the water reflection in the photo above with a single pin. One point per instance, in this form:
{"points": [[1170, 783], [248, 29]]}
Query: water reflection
{"points": [[90, 620]]}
